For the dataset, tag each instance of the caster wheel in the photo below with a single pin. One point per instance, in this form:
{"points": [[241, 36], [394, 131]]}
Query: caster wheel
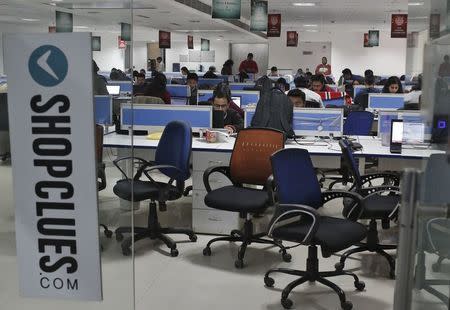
{"points": [[346, 305], [173, 252], [392, 275], [360, 286], [269, 282], [119, 237], [207, 251], [239, 264], [287, 303], [339, 266], [108, 234], [193, 238], [436, 267], [279, 241], [126, 251], [287, 257]]}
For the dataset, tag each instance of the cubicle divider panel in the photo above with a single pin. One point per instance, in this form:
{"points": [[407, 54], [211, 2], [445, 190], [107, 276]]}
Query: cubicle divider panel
{"points": [[318, 122], [103, 110], [386, 102]]}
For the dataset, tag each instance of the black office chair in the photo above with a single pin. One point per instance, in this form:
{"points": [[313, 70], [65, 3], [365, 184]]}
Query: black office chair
{"points": [[250, 164], [299, 197], [377, 207], [172, 159]]}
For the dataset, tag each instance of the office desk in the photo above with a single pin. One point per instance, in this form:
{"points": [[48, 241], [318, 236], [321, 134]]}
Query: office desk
{"points": [[204, 155]]}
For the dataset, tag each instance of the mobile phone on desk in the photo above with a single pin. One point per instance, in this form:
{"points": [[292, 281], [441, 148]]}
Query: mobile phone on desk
{"points": [[396, 136]]}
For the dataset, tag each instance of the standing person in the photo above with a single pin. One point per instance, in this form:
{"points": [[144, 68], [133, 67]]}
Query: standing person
{"points": [[160, 67], [444, 68], [227, 68], [157, 88], [249, 65], [393, 86], [324, 68]]}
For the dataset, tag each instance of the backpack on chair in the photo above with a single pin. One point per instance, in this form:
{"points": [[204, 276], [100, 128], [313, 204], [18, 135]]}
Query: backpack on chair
{"points": [[274, 110]]}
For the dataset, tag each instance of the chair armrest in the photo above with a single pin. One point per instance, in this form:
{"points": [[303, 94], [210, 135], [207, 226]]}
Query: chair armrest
{"points": [[356, 197], [116, 163], [225, 170], [370, 191], [372, 176], [290, 210], [149, 166], [270, 186], [101, 175]]}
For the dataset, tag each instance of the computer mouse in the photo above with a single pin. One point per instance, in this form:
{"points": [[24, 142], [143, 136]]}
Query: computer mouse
{"points": [[356, 146]]}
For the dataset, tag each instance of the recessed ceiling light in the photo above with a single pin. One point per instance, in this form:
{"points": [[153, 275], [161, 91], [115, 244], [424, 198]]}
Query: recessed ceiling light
{"points": [[415, 3], [418, 17], [57, 0], [312, 30], [219, 39], [30, 19], [81, 27], [304, 4], [310, 25]]}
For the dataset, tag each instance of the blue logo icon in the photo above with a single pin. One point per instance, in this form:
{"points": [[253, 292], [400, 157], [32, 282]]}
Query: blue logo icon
{"points": [[48, 65]]}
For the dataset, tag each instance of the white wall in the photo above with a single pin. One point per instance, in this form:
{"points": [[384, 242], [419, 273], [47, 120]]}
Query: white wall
{"points": [[110, 55], [260, 52], [414, 57], [140, 55], [221, 48], [347, 51]]}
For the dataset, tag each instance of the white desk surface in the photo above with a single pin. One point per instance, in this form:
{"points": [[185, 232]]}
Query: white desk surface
{"points": [[371, 146]]}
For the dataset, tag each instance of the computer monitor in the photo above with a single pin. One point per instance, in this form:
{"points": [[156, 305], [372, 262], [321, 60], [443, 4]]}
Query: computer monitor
{"points": [[113, 90], [204, 95], [236, 100], [385, 102], [318, 122], [218, 119], [248, 97], [413, 133]]}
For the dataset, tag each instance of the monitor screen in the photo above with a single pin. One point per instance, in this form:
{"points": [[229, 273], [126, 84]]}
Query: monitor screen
{"points": [[397, 131], [237, 100], [113, 89], [413, 132]]}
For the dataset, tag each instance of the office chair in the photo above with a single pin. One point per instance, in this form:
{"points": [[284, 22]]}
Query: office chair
{"points": [[250, 164], [297, 219], [147, 100], [358, 123], [101, 175], [377, 207], [172, 159]]}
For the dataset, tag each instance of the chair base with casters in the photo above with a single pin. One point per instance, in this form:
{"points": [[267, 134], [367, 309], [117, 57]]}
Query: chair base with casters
{"points": [[152, 231], [108, 233], [312, 274], [372, 245], [247, 237]]}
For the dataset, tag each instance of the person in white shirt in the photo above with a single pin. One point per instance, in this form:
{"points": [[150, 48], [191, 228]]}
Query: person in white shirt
{"points": [[302, 83], [160, 67]]}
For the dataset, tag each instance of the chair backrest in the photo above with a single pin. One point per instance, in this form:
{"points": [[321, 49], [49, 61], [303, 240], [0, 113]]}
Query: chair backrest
{"points": [[295, 178], [99, 143], [349, 159], [363, 101], [148, 100], [358, 123], [250, 160], [175, 148]]}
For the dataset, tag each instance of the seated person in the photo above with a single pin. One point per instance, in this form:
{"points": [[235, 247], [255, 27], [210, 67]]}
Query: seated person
{"points": [[297, 97], [210, 73], [157, 88], [192, 82], [221, 102], [184, 71], [348, 78], [302, 83], [140, 86], [99, 81], [318, 84], [142, 71], [282, 84], [393, 86], [274, 71], [361, 98]]}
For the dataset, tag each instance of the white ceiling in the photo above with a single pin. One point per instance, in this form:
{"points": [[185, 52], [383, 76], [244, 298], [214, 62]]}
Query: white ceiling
{"points": [[327, 15]]}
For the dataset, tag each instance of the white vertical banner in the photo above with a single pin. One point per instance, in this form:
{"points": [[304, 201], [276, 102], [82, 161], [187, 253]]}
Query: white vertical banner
{"points": [[51, 119]]}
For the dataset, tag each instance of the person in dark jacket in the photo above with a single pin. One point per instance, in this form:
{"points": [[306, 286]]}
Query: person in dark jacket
{"points": [[157, 88], [361, 98], [99, 81], [210, 73], [221, 102], [227, 68], [192, 82]]}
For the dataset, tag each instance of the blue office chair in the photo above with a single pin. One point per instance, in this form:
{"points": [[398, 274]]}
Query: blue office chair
{"points": [[299, 197], [173, 160], [358, 123], [377, 207]]}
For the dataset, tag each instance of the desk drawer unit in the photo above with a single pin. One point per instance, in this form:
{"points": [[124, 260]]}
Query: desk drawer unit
{"points": [[203, 160]]}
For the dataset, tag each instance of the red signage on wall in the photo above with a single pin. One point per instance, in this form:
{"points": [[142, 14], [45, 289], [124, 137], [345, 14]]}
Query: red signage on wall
{"points": [[274, 25], [164, 39], [399, 25], [121, 43], [190, 42], [51, 29], [292, 38], [366, 40]]}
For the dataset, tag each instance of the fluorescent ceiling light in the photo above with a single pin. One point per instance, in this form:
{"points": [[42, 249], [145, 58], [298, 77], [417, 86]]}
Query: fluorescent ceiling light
{"points": [[57, 0], [304, 4], [418, 17], [30, 19], [310, 25], [415, 3], [81, 27], [312, 30]]}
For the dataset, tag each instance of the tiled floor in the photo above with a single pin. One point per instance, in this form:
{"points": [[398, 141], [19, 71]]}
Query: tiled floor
{"points": [[192, 281]]}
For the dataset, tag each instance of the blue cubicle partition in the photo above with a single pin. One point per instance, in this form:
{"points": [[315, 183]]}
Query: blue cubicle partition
{"points": [[386, 102], [125, 86], [240, 86], [318, 122], [209, 82], [103, 110], [247, 97], [154, 117], [409, 117], [357, 89], [182, 91]]}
